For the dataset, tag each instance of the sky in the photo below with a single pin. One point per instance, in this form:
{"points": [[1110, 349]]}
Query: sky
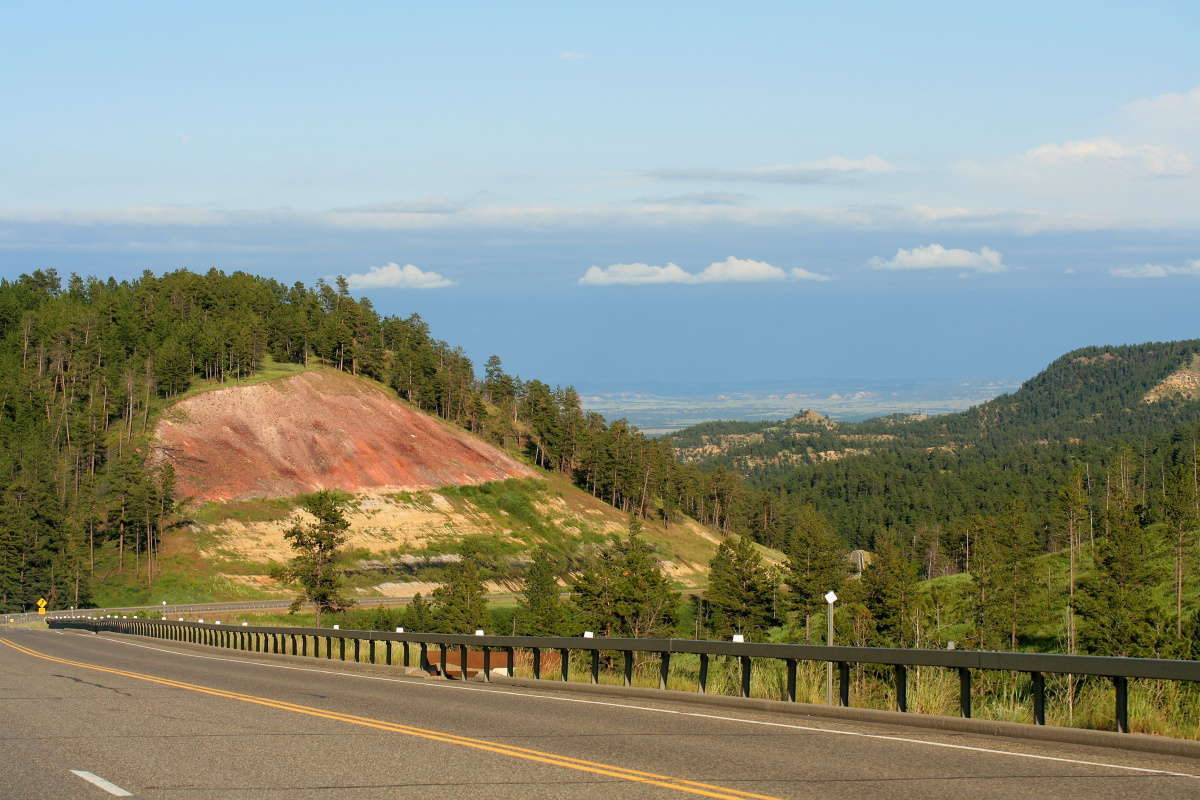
{"points": [[620, 193]]}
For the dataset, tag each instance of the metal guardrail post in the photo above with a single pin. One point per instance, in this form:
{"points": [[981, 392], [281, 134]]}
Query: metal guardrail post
{"points": [[442, 658], [537, 662], [371, 651], [844, 683], [664, 669], [424, 663], [628, 667], [1039, 698], [356, 649], [564, 664], [702, 680], [462, 663], [964, 692], [791, 679], [595, 666], [745, 676], [388, 654], [487, 663], [1121, 684], [901, 687], [512, 660]]}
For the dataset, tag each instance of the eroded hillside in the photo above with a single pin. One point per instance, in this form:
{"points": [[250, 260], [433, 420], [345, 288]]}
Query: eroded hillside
{"points": [[316, 430]]}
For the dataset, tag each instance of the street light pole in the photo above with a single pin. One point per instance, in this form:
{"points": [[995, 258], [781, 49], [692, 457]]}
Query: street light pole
{"points": [[830, 598]]}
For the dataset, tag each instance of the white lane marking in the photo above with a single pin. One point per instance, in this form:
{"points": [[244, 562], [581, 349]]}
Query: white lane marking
{"points": [[809, 728], [96, 780]]}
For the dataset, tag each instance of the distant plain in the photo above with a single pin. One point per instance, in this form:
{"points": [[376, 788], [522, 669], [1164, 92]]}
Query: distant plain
{"points": [[659, 408]]}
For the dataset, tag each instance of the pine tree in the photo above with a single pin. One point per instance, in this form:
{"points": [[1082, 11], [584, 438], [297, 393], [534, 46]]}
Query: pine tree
{"points": [[1116, 603], [459, 604], [1182, 521], [739, 589], [1001, 577], [816, 564], [417, 616], [890, 585], [317, 547], [624, 592], [541, 610]]}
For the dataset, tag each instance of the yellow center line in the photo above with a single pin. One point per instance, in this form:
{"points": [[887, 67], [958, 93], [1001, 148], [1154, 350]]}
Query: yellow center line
{"points": [[608, 770]]}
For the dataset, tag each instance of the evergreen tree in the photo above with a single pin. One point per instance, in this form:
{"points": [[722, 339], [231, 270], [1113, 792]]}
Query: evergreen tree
{"points": [[739, 589], [1183, 518], [417, 616], [624, 593], [459, 604], [1117, 606], [317, 546], [1001, 578], [541, 610], [890, 586], [816, 564]]}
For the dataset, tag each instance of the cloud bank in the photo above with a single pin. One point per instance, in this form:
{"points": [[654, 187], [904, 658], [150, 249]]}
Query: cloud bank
{"points": [[1157, 270], [730, 270], [394, 276], [1158, 160], [935, 256]]}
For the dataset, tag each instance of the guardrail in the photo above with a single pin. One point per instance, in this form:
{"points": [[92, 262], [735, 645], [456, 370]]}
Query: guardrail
{"points": [[275, 640]]}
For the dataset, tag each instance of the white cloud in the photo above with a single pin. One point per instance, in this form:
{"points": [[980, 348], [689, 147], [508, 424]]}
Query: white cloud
{"points": [[737, 269], [1154, 159], [801, 274], [394, 276], [1157, 270], [730, 270], [805, 172], [1167, 107], [935, 256], [634, 275]]}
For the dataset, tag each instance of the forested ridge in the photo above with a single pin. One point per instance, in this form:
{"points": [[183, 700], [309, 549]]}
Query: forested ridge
{"points": [[912, 476]]}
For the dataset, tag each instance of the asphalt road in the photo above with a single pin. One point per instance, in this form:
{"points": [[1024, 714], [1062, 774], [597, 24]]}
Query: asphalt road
{"points": [[158, 720]]}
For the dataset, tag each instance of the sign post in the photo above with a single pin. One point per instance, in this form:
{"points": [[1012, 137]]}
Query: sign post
{"points": [[830, 598]]}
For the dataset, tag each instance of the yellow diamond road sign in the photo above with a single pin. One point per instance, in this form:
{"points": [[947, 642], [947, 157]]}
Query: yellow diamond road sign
{"points": [[41, 604]]}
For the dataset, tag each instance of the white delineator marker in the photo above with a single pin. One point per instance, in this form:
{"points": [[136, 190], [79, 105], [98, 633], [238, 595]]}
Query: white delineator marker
{"points": [[830, 598]]}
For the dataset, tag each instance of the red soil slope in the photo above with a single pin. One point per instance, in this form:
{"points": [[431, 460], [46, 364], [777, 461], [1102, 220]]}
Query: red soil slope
{"points": [[319, 429]]}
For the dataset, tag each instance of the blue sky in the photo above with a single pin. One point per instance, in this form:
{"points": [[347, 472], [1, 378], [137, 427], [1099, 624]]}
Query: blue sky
{"points": [[619, 193]]}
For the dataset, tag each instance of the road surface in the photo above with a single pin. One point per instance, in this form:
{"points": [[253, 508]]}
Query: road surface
{"points": [[88, 716]]}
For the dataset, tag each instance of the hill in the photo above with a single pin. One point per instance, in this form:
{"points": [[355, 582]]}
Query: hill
{"points": [[419, 489], [926, 477], [90, 370]]}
